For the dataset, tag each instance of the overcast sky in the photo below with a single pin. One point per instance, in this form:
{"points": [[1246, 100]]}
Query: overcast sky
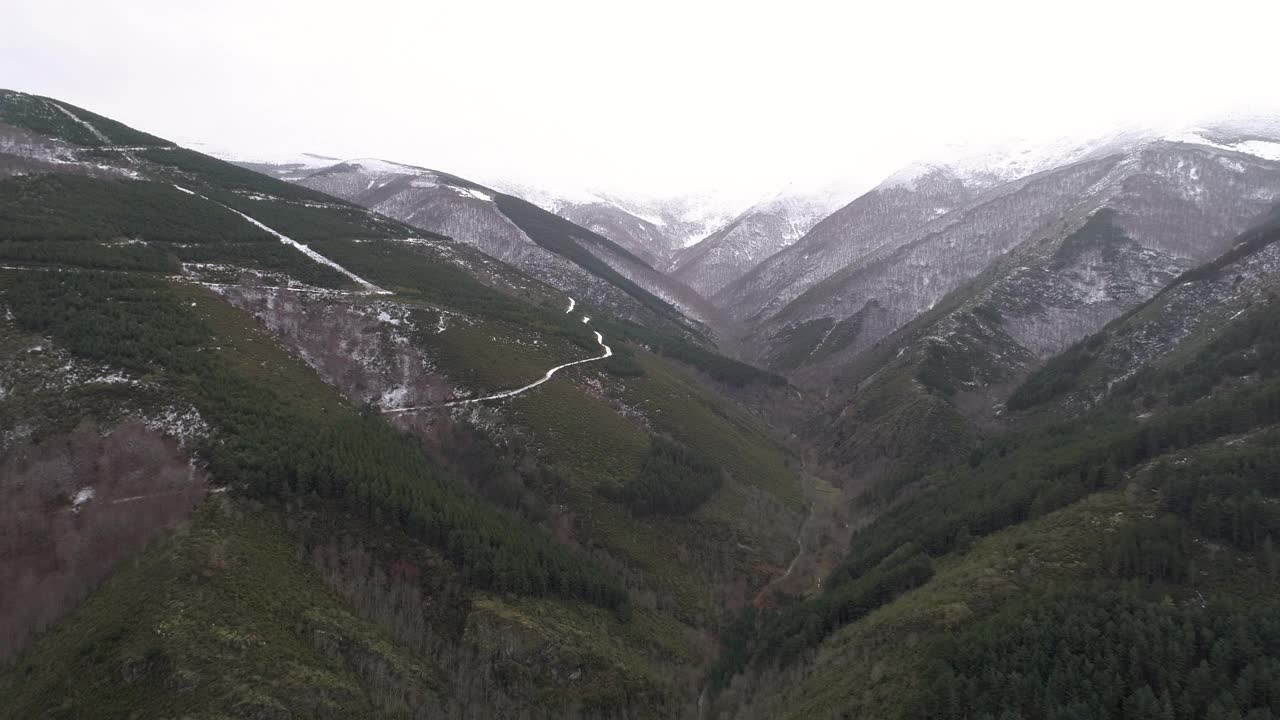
{"points": [[657, 97]]}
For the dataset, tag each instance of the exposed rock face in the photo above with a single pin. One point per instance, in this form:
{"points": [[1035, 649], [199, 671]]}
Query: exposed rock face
{"points": [[363, 349]]}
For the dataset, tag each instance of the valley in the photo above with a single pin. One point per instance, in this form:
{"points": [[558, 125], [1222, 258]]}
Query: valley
{"points": [[336, 438]]}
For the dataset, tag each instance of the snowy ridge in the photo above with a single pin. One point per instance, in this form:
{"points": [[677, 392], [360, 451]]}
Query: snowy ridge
{"points": [[989, 165], [1264, 149], [300, 161]]}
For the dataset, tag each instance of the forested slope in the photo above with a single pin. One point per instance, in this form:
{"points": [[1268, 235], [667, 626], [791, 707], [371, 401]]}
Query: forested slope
{"points": [[561, 553], [1108, 559]]}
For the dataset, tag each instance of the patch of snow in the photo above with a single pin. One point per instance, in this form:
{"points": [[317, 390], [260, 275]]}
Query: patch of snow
{"points": [[393, 397], [184, 424], [386, 167], [304, 161], [368, 286], [115, 378], [472, 193], [1265, 149], [92, 130], [84, 495], [1259, 148]]}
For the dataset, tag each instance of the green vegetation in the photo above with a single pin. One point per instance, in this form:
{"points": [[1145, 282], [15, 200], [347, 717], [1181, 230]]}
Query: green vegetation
{"points": [[1046, 468], [309, 221], [272, 257], [673, 481], [1227, 493], [90, 223], [1110, 655], [1231, 352], [396, 266], [40, 115], [718, 367], [70, 207], [1248, 346], [561, 237], [1058, 376], [223, 618], [299, 212], [782, 636], [1027, 474], [89, 254], [1151, 549], [794, 344], [272, 450], [215, 173]]}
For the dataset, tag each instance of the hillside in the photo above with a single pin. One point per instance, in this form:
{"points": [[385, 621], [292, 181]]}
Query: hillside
{"points": [[572, 258], [1147, 509], [754, 236], [338, 439], [309, 503]]}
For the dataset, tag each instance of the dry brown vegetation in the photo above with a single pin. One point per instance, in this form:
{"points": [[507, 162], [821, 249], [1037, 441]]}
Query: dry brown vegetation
{"points": [[55, 550]]}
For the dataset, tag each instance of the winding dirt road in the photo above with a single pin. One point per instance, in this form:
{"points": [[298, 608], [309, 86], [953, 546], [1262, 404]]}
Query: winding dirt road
{"points": [[608, 352]]}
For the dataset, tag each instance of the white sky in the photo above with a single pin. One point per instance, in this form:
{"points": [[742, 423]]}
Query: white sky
{"points": [[655, 97]]}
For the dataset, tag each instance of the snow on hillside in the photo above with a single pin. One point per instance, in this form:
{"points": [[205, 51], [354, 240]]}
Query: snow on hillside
{"points": [[993, 164], [684, 219], [283, 164]]}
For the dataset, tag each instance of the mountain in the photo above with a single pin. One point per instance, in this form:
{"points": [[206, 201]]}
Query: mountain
{"points": [[675, 221], [757, 234], [379, 441], [1128, 492], [574, 259], [642, 232], [267, 451], [889, 213], [1177, 202]]}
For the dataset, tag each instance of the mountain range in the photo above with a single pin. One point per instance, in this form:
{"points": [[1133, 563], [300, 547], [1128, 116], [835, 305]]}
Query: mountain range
{"points": [[349, 437]]}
